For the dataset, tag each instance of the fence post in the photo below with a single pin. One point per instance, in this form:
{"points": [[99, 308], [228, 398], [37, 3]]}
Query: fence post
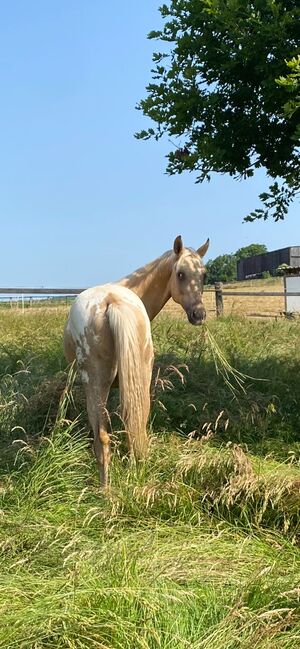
{"points": [[219, 299]]}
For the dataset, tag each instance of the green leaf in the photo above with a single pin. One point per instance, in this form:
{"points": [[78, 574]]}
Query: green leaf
{"points": [[229, 91]]}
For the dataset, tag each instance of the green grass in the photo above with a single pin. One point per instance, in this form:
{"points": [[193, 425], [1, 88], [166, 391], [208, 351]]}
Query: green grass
{"points": [[196, 548]]}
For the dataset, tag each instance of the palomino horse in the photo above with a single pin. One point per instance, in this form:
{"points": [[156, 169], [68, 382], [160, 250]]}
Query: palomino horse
{"points": [[108, 333]]}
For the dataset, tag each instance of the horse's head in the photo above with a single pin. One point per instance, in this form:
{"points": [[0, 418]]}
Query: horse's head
{"points": [[187, 280]]}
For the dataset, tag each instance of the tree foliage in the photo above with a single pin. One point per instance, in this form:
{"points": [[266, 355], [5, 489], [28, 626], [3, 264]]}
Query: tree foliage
{"points": [[249, 251], [291, 83], [224, 267], [278, 198], [214, 88], [221, 269]]}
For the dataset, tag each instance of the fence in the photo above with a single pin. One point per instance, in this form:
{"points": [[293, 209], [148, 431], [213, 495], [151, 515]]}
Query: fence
{"points": [[274, 307], [33, 295], [227, 299], [277, 300]]}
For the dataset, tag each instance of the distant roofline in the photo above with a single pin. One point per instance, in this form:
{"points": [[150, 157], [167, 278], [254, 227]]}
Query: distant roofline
{"points": [[269, 252]]}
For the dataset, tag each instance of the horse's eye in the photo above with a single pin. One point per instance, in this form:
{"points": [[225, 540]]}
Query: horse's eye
{"points": [[180, 275]]}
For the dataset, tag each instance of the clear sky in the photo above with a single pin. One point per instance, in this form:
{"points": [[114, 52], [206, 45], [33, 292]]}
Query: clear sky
{"points": [[81, 200]]}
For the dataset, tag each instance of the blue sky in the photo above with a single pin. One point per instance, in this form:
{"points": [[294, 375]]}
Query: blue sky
{"points": [[81, 201]]}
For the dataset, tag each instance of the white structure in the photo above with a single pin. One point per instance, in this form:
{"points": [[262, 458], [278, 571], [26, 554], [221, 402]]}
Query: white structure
{"points": [[292, 285]]}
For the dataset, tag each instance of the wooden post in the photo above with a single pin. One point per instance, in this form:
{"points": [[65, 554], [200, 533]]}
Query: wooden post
{"points": [[219, 299]]}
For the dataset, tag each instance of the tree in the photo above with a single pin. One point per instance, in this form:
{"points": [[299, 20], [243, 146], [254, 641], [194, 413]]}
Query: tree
{"points": [[278, 198], [224, 267], [221, 269], [215, 89], [249, 251], [292, 84]]}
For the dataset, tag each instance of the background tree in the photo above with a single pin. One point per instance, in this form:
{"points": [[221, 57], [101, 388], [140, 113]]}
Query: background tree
{"points": [[215, 90], [224, 267], [249, 251], [221, 269]]}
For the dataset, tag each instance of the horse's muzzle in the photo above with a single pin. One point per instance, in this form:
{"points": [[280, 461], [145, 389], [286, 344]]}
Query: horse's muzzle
{"points": [[196, 316]]}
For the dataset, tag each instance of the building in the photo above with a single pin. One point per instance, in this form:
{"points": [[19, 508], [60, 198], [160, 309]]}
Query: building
{"points": [[254, 267], [292, 291]]}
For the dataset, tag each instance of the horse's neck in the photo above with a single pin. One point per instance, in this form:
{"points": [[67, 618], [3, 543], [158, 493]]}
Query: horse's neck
{"points": [[152, 283]]}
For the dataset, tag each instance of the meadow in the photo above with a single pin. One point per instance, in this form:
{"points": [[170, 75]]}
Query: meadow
{"points": [[196, 548]]}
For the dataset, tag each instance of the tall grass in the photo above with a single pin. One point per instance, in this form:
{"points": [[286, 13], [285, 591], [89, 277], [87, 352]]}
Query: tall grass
{"points": [[266, 415], [197, 547]]}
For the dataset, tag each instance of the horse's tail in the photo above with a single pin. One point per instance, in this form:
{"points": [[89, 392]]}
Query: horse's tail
{"points": [[131, 333]]}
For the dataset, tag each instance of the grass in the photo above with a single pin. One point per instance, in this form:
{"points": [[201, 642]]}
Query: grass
{"points": [[196, 548]]}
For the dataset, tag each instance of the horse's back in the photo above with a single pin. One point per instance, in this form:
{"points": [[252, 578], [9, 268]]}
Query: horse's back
{"points": [[90, 327]]}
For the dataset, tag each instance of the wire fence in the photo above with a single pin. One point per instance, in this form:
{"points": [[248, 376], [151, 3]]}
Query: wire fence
{"points": [[34, 297], [219, 300]]}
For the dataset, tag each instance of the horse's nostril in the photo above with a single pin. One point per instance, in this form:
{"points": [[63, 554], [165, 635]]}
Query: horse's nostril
{"points": [[198, 314]]}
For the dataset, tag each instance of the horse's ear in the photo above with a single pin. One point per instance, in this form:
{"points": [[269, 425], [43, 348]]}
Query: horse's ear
{"points": [[203, 249], [178, 245]]}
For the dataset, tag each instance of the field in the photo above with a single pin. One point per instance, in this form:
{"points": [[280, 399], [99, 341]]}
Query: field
{"points": [[197, 548], [265, 306], [254, 305]]}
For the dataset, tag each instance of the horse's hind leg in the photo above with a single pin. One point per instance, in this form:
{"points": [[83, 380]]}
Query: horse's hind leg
{"points": [[97, 389], [69, 345], [102, 448]]}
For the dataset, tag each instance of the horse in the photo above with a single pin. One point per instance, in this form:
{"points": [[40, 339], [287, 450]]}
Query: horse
{"points": [[108, 334]]}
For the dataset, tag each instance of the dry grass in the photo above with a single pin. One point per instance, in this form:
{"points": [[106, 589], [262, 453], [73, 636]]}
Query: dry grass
{"points": [[239, 305]]}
